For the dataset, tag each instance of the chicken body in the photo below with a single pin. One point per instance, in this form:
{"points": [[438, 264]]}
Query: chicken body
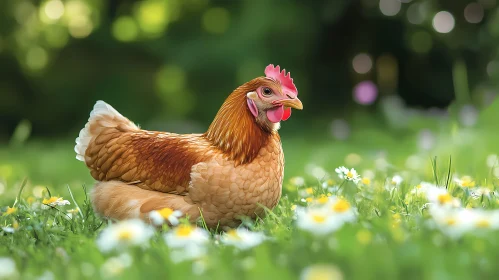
{"points": [[135, 166], [235, 169]]}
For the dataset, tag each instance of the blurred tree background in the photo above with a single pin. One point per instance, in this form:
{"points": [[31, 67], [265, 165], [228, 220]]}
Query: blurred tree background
{"points": [[169, 64]]}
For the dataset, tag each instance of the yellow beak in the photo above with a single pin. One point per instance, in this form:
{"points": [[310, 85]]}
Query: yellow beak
{"points": [[294, 103]]}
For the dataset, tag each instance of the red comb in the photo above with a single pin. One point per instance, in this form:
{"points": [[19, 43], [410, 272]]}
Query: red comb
{"points": [[285, 80]]}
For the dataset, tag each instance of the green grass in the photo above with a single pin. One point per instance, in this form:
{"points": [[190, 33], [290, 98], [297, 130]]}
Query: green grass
{"points": [[390, 239]]}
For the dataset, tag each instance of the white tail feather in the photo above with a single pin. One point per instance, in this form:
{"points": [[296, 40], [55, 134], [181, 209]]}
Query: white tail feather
{"points": [[102, 116]]}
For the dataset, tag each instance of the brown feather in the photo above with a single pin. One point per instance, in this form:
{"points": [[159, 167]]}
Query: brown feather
{"points": [[234, 130]]}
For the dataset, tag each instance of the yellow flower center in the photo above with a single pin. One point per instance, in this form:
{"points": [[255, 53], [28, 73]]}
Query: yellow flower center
{"points": [[483, 223], [50, 200], [468, 183], [418, 186], [366, 181], [320, 219], [11, 210], [450, 221], [350, 174], [293, 207], [444, 198], [233, 234], [309, 190], [125, 235], [322, 200], [166, 212], [309, 199], [184, 230], [341, 206], [330, 182]]}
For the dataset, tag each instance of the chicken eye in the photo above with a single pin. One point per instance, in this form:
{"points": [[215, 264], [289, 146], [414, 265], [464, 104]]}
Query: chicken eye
{"points": [[267, 91]]}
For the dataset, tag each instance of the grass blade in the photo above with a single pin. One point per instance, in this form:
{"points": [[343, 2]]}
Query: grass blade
{"points": [[18, 197], [74, 201]]}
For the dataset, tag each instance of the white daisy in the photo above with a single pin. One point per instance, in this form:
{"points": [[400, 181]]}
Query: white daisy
{"points": [[422, 188], [188, 253], [342, 209], [441, 197], [348, 174], [477, 193], [464, 182], [397, 180], [318, 221], [55, 201], [242, 238], [123, 234], [452, 222], [184, 235], [159, 217], [306, 192], [116, 265], [9, 229], [482, 219], [9, 269], [47, 275], [297, 181]]}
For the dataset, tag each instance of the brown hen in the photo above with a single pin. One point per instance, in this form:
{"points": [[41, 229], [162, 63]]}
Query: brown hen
{"points": [[230, 171]]}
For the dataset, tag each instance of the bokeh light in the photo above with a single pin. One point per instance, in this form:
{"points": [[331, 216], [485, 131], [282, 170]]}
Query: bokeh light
{"points": [[468, 115], [23, 11], [414, 162], [316, 171], [365, 92], [56, 35], [443, 22], [473, 13], [170, 79], [125, 29], [80, 27], [51, 11], [416, 13], [492, 161], [54, 9], [77, 16], [362, 63], [390, 7], [492, 68], [387, 70], [426, 140], [353, 159], [488, 97], [340, 129], [152, 16], [216, 20], [36, 58], [421, 42]]}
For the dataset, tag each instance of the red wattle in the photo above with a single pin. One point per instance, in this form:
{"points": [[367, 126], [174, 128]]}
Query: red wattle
{"points": [[287, 114], [275, 114]]}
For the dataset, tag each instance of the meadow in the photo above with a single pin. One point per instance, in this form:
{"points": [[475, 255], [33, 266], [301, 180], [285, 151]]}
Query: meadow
{"points": [[414, 202]]}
